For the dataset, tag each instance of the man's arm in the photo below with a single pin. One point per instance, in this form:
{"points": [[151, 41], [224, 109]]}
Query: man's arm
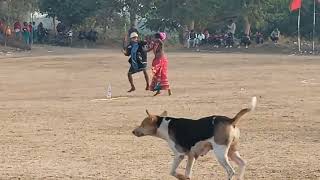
{"points": [[126, 51]]}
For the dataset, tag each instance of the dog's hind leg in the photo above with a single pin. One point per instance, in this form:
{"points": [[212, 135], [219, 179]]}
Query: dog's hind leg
{"points": [[235, 157], [176, 162], [189, 167], [221, 153]]}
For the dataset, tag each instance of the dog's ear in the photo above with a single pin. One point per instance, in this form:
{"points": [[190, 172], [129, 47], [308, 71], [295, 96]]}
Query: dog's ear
{"points": [[148, 113], [164, 114]]}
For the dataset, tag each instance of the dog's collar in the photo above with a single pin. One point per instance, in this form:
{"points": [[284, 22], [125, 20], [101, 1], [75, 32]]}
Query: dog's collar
{"points": [[160, 119]]}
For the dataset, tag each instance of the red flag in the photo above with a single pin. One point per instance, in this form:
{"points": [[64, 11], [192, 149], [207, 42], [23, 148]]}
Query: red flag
{"points": [[296, 4]]}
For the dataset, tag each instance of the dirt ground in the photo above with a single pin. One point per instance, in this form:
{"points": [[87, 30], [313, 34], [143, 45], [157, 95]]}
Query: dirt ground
{"points": [[55, 125]]}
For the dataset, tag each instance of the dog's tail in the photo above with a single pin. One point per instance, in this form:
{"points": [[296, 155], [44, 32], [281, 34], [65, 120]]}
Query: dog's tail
{"points": [[245, 111]]}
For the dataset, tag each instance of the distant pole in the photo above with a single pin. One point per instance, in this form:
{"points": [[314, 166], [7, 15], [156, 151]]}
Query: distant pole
{"points": [[54, 25], [299, 40], [314, 25], [125, 28], [125, 37]]}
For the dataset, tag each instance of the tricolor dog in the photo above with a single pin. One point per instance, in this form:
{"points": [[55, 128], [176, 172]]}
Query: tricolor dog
{"points": [[194, 138]]}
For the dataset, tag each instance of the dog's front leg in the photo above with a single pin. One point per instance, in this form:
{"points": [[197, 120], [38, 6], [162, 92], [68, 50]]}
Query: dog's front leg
{"points": [[189, 167], [176, 162]]}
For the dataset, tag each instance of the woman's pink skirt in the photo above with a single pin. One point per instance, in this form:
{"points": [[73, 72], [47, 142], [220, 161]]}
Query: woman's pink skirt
{"points": [[160, 74]]}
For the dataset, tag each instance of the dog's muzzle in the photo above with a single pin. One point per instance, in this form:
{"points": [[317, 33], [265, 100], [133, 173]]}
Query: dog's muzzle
{"points": [[137, 133]]}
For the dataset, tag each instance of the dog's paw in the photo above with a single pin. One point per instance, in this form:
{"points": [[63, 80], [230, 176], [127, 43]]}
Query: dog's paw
{"points": [[181, 177]]}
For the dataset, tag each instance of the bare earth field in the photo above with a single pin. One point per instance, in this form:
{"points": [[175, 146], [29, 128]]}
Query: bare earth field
{"points": [[53, 125]]}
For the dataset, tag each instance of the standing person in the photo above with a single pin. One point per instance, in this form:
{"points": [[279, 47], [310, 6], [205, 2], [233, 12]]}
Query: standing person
{"points": [[138, 59], [132, 30], [40, 32], [34, 32], [26, 33], [232, 30], [8, 31], [17, 29], [61, 28], [2, 27], [159, 66], [31, 33]]}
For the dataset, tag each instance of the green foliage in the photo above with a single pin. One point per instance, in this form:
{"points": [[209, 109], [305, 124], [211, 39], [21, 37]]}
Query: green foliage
{"points": [[17, 9], [69, 12], [172, 15]]}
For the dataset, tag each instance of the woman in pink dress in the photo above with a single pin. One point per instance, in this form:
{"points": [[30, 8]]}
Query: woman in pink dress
{"points": [[159, 66]]}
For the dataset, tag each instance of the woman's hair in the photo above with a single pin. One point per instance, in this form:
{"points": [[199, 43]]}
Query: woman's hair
{"points": [[160, 35], [157, 35]]}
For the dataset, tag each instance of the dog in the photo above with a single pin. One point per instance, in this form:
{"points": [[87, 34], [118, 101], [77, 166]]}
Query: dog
{"points": [[194, 138]]}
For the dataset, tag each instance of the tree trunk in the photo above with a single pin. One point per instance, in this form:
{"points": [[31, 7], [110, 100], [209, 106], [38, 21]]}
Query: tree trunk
{"points": [[183, 34], [247, 25], [54, 26], [133, 18], [191, 25]]}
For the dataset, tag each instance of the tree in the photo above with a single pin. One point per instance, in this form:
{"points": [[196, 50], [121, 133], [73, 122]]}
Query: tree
{"points": [[13, 10], [109, 15], [69, 12], [169, 15]]}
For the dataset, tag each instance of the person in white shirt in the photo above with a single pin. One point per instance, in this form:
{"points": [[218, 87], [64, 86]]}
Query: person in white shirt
{"points": [[275, 35], [232, 27], [200, 38]]}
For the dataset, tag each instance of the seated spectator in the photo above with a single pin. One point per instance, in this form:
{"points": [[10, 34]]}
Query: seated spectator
{"points": [[191, 39], [82, 35], [216, 40], [92, 36], [200, 39], [275, 35], [228, 38], [259, 37], [206, 36], [245, 40]]}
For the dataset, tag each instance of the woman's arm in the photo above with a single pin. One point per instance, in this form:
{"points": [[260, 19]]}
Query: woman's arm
{"points": [[151, 46]]}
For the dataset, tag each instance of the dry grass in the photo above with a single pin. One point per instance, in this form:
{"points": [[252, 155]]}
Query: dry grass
{"points": [[51, 128]]}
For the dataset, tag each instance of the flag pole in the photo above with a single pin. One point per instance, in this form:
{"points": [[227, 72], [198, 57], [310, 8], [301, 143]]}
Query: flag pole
{"points": [[314, 25], [299, 40]]}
